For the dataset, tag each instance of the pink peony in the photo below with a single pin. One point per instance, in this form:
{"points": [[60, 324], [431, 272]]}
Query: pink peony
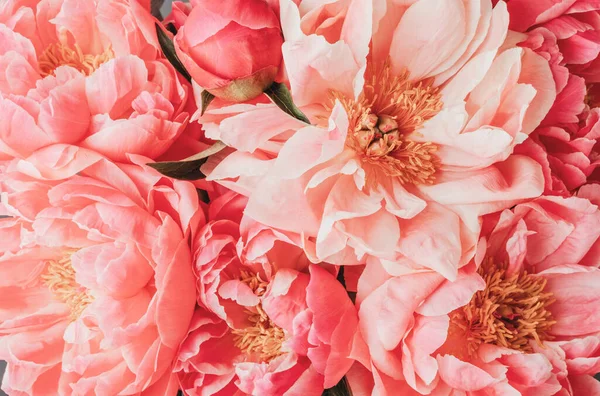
{"points": [[231, 48], [87, 73], [565, 142], [269, 323], [96, 284], [575, 25], [412, 135], [568, 153], [521, 318]]}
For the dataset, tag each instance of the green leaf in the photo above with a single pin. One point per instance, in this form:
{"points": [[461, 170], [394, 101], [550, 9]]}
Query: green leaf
{"points": [[166, 44], [281, 96], [342, 388], [188, 168], [207, 97], [155, 6]]}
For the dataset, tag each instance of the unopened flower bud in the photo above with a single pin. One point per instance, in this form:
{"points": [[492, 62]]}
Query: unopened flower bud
{"points": [[231, 48]]}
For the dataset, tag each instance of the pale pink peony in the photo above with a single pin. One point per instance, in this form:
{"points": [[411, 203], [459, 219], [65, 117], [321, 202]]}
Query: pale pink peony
{"points": [[87, 73], [269, 323], [413, 196], [96, 282], [521, 318]]}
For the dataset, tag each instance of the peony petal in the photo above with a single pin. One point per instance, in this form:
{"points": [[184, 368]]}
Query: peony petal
{"points": [[577, 295], [461, 375], [452, 295], [416, 45]]}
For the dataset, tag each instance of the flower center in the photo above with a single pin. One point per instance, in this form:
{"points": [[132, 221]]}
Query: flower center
{"points": [[263, 338], [510, 312], [592, 95], [60, 279], [387, 112], [58, 54]]}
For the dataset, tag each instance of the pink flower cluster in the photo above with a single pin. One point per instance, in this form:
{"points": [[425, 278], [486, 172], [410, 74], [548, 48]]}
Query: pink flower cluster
{"points": [[433, 229]]}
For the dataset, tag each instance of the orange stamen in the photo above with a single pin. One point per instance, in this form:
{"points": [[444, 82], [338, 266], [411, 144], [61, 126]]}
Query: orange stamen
{"points": [[60, 279], [58, 54], [389, 109], [510, 312], [263, 338]]}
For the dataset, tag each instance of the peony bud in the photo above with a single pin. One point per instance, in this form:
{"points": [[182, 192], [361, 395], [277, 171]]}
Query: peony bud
{"points": [[231, 48]]}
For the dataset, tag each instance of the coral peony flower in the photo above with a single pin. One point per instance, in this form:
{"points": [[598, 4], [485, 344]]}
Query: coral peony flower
{"points": [[96, 285], [411, 138], [231, 48], [521, 318], [268, 322], [87, 73], [574, 23]]}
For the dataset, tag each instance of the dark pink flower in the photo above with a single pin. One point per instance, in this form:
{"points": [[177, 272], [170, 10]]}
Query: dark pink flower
{"points": [[565, 143], [231, 48], [574, 23], [269, 323]]}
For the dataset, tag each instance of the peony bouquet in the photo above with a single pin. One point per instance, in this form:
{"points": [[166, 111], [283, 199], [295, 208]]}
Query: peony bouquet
{"points": [[300, 197]]}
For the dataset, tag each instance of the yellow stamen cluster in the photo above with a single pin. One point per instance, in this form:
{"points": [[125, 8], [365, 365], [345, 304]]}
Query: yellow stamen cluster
{"points": [[58, 54], [60, 279], [510, 312], [263, 338], [388, 111]]}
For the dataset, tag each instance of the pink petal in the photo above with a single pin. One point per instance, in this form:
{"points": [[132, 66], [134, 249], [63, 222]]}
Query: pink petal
{"points": [[420, 368], [416, 45], [379, 314], [334, 323], [239, 292], [433, 240], [452, 295], [528, 370], [315, 66], [65, 115], [584, 385], [112, 87], [577, 295], [19, 134], [461, 375]]}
